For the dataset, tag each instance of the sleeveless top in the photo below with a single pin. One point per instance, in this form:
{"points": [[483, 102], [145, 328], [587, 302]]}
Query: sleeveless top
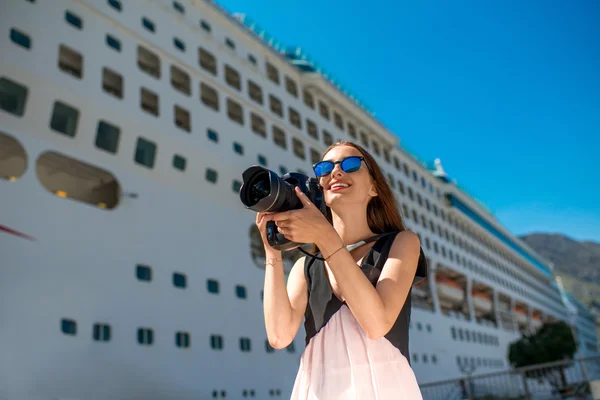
{"points": [[323, 303]]}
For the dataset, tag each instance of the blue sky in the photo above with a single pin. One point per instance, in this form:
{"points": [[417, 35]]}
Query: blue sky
{"points": [[505, 93]]}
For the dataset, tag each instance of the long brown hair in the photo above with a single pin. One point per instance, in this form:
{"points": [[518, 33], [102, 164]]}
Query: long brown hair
{"points": [[382, 211]]}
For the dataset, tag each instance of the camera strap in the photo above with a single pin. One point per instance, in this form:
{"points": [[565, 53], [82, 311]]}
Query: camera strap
{"points": [[353, 246]]}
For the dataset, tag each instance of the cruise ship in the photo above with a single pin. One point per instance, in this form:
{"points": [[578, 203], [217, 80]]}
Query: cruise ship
{"points": [[130, 269]]}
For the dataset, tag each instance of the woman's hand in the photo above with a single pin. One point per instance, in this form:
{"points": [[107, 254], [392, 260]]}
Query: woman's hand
{"points": [[261, 222], [305, 225]]}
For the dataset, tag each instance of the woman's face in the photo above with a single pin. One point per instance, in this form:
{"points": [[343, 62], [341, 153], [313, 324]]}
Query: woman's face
{"points": [[358, 188]]}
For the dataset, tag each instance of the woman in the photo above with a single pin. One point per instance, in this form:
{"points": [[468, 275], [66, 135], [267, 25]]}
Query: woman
{"points": [[357, 302]]}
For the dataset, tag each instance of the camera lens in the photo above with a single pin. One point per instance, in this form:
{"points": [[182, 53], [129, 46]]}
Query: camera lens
{"points": [[259, 189]]}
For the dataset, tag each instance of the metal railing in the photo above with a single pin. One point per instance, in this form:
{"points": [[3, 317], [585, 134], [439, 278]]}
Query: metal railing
{"points": [[569, 379]]}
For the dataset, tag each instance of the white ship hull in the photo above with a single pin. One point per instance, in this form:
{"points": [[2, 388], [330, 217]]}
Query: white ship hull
{"points": [[66, 260]]}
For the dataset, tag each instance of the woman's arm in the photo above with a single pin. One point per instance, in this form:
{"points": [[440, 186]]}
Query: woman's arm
{"points": [[375, 308], [284, 309]]}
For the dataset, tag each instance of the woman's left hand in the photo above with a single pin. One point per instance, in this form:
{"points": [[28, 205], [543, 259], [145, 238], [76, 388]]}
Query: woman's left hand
{"points": [[305, 225]]}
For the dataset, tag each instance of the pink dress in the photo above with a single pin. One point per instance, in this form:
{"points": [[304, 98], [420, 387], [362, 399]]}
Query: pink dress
{"points": [[340, 361]]}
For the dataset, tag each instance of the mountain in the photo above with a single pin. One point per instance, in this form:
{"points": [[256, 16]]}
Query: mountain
{"points": [[577, 263]]}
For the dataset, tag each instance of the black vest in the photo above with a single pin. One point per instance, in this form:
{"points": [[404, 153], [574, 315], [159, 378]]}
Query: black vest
{"points": [[323, 303]]}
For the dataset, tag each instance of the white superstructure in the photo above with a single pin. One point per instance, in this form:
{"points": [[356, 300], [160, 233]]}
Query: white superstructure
{"points": [[130, 268]]}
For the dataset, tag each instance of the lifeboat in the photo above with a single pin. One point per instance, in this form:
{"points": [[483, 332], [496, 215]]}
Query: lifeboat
{"points": [[536, 321], [482, 302], [450, 290], [521, 315]]}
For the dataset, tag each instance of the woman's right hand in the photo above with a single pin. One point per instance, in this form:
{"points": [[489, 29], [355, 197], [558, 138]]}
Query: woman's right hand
{"points": [[261, 222]]}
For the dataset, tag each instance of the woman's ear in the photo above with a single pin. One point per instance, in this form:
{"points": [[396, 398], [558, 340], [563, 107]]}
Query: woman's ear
{"points": [[373, 190]]}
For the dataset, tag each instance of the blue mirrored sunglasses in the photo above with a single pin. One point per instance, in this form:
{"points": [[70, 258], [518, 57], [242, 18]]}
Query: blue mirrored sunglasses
{"points": [[348, 165]]}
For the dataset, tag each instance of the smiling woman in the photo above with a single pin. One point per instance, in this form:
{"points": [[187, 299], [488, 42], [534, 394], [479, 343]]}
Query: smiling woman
{"points": [[355, 300]]}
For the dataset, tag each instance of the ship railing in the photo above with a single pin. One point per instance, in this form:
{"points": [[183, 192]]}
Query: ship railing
{"points": [[568, 379]]}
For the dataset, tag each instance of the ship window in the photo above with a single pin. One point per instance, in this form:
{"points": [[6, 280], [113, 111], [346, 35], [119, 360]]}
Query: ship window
{"points": [[205, 25], [255, 92], [13, 159], [376, 148], [238, 148], [73, 19], [298, 148], [116, 4], [68, 326], [230, 43], [425, 358], [279, 137], [178, 7], [327, 138], [272, 73], [101, 332], [148, 62], [252, 59], [112, 82], [283, 170], [182, 118], [211, 175], [337, 118], [262, 160], [240, 291], [216, 342], [149, 25], [207, 61], [179, 44], [143, 272], [13, 96], [145, 336], [145, 152], [291, 86], [76, 180], [107, 137], [209, 96], [179, 280], [351, 130], [236, 186], [258, 125], [291, 348], [212, 286], [182, 339], [453, 333], [64, 119], [212, 135], [364, 139], [179, 162], [245, 344], [180, 80], [20, 38], [149, 101], [232, 77], [434, 359], [312, 129], [315, 157], [391, 181], [324, 110], [295, 118], [276, 105], [70, 61], [113, 42], [308, 99], [268, 347], [235, 111]]}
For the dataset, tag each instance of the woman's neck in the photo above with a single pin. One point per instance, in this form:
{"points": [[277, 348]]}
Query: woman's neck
{"points": [[352, 226]]}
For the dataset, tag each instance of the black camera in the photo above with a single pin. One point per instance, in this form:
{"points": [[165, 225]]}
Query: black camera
{"points": [[263, 190]]}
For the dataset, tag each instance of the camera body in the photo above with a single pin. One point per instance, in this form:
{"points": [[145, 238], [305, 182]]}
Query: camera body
{"points": [[263, 190]]}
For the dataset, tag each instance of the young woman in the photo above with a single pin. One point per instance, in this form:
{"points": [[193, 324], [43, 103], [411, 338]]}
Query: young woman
{"points": [[356, 302]]}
